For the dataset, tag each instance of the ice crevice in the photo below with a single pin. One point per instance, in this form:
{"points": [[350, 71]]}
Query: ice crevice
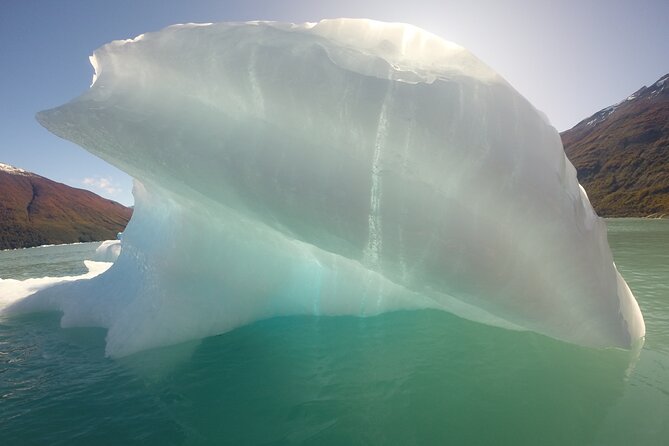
{"points": [[346, 167], [373, 249]]}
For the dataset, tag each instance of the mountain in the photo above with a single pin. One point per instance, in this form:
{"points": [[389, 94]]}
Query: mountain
{"points": [[37, 211], [621, 154]]}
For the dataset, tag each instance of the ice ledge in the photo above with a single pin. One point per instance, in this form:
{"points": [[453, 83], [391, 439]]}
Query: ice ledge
{"points": [[396, 51]]}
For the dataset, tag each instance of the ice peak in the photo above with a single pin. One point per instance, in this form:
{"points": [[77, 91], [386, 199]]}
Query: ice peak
{"points": [[396, 51], [405, 47]]}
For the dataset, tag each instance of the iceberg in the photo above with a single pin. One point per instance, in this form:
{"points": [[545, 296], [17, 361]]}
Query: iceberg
{"points": [[345, 167]]}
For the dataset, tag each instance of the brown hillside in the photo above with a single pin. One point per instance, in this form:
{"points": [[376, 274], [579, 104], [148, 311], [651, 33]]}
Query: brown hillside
{"points": [[36, 211], [621, 154]]}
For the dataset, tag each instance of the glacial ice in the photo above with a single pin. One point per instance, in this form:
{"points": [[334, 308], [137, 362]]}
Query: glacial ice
{"points": [[346, 167], [108, 251]]}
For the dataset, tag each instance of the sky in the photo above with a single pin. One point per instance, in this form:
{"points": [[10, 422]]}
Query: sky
{"points": [[570, 58]]}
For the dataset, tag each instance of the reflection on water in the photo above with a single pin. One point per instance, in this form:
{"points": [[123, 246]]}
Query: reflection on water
{"points": [[420, 377]]}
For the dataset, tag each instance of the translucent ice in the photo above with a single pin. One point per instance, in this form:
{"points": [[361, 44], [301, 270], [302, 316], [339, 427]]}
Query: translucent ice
{"points": [[344, 167], [108, 251]]}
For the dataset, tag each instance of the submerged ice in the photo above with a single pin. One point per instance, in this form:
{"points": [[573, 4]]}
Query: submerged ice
{"points": [[345, 167]]}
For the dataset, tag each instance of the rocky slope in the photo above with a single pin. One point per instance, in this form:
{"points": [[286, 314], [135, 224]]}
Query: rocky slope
{"points": [[37, 211], [621, 154]]}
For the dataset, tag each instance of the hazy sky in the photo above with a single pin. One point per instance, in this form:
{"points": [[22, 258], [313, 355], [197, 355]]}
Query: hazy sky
{"points": [[569, 58]]}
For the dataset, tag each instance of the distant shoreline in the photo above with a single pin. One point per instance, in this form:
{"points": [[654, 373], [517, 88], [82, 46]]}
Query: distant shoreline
{"points": [[51, 245], [649, 217]]}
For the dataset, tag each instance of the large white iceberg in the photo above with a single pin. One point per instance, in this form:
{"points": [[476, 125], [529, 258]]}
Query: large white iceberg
{"points": [[340, 167]]}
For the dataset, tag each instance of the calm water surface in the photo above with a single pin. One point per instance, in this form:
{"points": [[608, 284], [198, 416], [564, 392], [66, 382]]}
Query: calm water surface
{"points": [[414, 377]]}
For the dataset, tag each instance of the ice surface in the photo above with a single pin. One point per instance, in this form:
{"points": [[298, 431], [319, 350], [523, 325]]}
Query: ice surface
{"points": [[13, 292], [343, 167], [108, 251]]}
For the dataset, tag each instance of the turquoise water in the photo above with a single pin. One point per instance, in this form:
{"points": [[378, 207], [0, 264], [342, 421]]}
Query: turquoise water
{"points": [[413, 377]]}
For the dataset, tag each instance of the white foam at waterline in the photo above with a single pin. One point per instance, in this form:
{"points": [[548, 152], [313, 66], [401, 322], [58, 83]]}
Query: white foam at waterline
{"points": [[13, 290]]}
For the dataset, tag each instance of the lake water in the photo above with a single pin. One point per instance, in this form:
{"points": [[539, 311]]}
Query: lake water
{"points": [[412, 377]]}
